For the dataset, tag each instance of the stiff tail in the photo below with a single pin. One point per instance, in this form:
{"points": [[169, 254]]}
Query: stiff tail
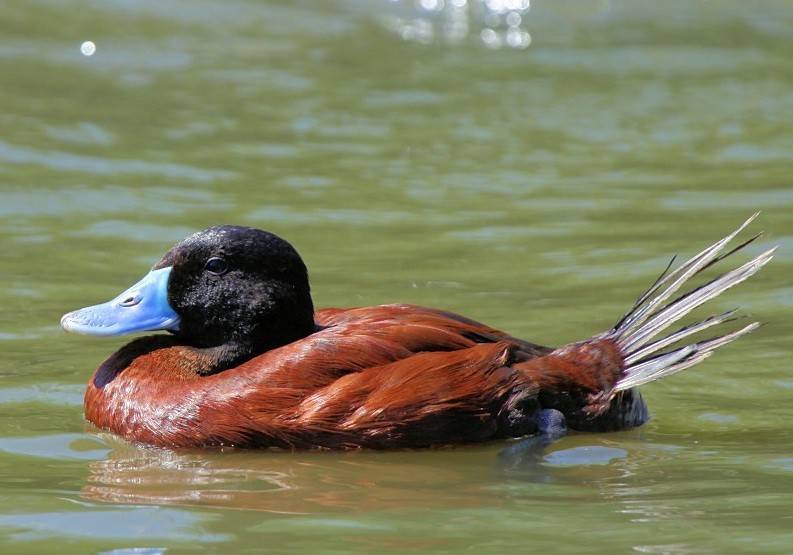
{"points": [[646, 358]]}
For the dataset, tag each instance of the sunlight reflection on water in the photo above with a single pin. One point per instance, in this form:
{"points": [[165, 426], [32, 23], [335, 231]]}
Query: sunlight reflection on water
{"points": [[496, 23]]}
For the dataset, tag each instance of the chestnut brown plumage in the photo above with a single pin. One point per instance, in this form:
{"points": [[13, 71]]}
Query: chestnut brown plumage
{"points": [[249, 362]]}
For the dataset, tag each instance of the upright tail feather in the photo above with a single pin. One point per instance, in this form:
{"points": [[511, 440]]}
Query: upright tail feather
{"points": [[646, 358]]}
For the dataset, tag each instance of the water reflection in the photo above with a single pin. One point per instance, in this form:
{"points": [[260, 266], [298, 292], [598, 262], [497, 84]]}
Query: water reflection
{"points": [[85, 164], [632, 477], [282, 482], [360, 481], [495, 23], [576, 461], [87, 48], [149, 523]]}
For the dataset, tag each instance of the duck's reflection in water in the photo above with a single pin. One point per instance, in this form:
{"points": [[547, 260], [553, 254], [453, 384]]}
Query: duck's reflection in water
{"points": [[316, 482], [290, 482]]}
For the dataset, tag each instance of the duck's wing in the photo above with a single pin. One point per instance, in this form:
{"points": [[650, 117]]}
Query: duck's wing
{"points": [[426, 399], [422, 329]]}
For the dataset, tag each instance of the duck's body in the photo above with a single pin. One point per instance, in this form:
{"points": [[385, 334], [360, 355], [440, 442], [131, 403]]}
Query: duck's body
{"points": [[383, 376], [387, 376]]}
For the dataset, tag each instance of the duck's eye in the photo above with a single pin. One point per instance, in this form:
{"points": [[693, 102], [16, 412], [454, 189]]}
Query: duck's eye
{"points": [[216, 266]]}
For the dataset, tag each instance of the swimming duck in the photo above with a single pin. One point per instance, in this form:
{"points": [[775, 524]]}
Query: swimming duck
{"points": [[248, 361]]}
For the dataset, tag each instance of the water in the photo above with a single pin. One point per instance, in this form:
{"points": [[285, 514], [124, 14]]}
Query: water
{"points": [[410, 156]]}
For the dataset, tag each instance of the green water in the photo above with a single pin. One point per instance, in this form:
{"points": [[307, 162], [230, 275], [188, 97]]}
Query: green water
{"points": [[538, 189]]}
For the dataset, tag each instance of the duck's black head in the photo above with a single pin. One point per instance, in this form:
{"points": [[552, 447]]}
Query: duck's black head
{"points": [[232, 282], [236, 289]]}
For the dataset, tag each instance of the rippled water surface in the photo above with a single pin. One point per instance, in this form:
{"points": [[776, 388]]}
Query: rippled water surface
{"points": [[532, 168]]}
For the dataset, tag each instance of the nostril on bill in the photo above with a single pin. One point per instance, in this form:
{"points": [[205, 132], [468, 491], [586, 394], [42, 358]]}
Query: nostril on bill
{"points": [[130, 301]]}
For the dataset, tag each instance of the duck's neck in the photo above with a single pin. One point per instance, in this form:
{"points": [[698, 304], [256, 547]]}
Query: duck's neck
{"points": [[212, 360], [242, 347], [226, 339]]}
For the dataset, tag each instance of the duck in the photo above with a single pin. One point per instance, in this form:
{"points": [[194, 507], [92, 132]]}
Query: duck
{"points": [[248, 362]]}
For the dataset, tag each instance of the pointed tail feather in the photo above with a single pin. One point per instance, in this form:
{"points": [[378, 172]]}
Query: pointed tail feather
{"points": [[649, 359]]}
